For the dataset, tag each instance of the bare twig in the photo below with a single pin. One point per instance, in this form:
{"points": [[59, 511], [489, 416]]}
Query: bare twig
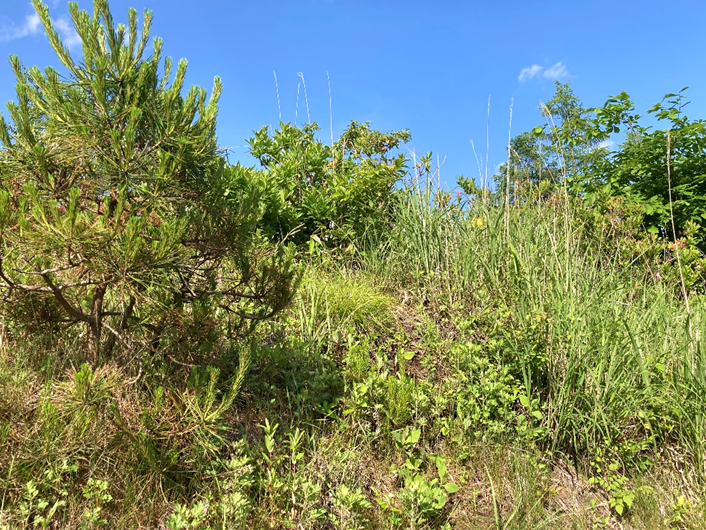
{"points": [[118, 336]]}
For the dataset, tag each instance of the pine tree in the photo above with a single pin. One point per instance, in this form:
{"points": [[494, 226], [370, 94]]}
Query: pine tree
{"points": [[115, 207]]}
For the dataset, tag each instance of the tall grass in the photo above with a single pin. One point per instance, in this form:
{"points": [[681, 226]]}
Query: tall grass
{"points": [[505, 341], [614, 358]]}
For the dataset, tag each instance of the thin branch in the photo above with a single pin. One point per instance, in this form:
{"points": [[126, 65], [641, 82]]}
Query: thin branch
{"points": [[39, 289], [78, 315], [56, 269], [118, 336]]}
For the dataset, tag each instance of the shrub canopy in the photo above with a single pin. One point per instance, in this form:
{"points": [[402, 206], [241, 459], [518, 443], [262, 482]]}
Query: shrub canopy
{"points": [[115, 208]]}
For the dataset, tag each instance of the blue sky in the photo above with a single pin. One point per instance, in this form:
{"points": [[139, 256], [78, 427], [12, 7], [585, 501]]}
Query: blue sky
{"points": [[422, 65]]}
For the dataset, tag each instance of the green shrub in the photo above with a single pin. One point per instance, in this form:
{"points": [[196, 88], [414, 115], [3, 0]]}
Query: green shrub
{"points": [[115, 209], [335, 192]]}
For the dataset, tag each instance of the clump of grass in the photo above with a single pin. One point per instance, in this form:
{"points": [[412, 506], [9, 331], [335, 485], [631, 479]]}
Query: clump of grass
{"points": [[332, 303]]}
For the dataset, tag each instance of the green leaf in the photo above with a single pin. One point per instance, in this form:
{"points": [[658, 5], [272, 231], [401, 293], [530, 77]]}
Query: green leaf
{"points": [[524, 400], [451, 487], [441, 468]]}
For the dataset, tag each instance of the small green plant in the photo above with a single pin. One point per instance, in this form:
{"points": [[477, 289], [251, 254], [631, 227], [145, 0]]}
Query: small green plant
{"points": [[680, 508], [188, 517], [271, 482], [234, 481], [349, 506], [615, 484], [420, 499], [96, 492], [233, 510], [41, 501], [287, 489], [304, 507], [36, 508]]}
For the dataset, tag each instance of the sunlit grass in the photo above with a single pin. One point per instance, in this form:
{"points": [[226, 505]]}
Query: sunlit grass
{"points": [[561, 381]]}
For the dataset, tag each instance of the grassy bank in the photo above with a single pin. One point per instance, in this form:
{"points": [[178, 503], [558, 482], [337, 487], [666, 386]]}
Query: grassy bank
{"points": [[476, 367]]}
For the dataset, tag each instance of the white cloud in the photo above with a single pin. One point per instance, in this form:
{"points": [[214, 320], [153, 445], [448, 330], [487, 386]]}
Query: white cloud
{"points": [[30, 26], [67, 32], [558, 71], [606, 144], [530, 72], [555, 72]]}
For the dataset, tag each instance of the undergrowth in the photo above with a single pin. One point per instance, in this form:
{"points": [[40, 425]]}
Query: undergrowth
{"points": [[483, 368], [328, 342]]}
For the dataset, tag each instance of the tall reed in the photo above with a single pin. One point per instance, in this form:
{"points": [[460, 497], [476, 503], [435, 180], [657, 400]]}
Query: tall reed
{"points": [[607, 349]]}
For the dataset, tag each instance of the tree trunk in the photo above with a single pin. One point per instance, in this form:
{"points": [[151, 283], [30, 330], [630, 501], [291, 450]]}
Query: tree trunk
{"points": [[96, 321], [121, 327]]}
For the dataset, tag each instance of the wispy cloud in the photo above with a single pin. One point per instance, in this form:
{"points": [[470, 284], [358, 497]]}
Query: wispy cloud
{"points": [[530, 72], [67, 32], [31, 25], [558, 71], [554, 72]]}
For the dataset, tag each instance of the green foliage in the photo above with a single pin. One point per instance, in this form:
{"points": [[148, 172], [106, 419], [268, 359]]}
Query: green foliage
{"points": [[336, 192], [446, 369], [329, 305], [349, 506], [663, 170], [484, 393], [659, 173], [567, 146], [96, 492], [546, 299], [420, 499], [115, 211], [234, 484], [607, 475], [188, 517], [680, 508], [42, 501], [529, 334]]}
